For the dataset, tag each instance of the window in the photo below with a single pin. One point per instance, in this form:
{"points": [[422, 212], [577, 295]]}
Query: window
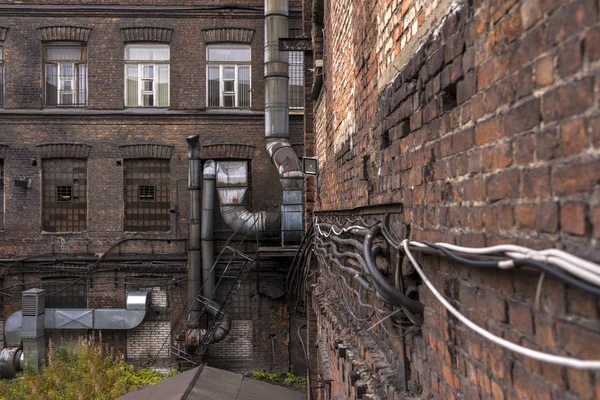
{"points": [[241, 305], [65, 69], [65, 292], [228, 74], [296, 85], [147, 195], [64, 195], [147, 75], [1, 76]]}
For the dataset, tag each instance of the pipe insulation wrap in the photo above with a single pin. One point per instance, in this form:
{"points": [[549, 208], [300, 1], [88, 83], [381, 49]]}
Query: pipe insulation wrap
{"points": [[194, 247]]}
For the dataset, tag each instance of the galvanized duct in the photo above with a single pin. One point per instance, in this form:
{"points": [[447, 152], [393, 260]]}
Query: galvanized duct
{"points": [[194, 249], [57, 318], [208, 244], [195, 336], [289, 222]]}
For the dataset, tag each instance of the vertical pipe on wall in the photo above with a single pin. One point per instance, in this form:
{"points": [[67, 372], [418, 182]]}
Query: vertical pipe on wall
{"points": [[277, 130], [208, 244], [194, 248]]}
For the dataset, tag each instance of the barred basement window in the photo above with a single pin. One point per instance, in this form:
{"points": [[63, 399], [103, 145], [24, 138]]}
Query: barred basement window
{"points": [[65, 292], [65, 74], [64, 195], [147, 195], [241, 306]]}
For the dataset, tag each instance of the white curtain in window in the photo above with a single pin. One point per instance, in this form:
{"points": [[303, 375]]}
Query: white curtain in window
{"points": [[82, 84], [163, 86], [244, 86], [147, 52], [51, 84], [63, 53], [213, 86], [229, 53], [131, 96]]}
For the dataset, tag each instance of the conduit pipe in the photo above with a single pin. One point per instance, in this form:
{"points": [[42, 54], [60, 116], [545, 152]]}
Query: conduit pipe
{"points": [[289, 223]]}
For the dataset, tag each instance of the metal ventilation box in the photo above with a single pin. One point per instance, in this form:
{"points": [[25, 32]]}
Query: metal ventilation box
{"points": [[34, 307]]}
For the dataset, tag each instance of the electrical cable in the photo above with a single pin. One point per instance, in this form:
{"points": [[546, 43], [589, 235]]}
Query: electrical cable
{"points": [[549, 269], [387, 292], [537, 355]]}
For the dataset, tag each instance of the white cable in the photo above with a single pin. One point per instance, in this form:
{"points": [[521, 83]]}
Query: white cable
{"points": [[583, 269], [338, 233], [537, 355], [547, 255]]}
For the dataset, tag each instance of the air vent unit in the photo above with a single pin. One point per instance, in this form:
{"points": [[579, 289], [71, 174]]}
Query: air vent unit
{"points": [[34, 302]]}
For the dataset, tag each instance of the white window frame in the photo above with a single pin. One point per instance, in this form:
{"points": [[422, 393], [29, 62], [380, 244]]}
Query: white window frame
{"points": [[75, 77], [140, 91], [222, 65]]}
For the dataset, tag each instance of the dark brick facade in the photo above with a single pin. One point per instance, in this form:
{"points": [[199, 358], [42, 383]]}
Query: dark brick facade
{"points": [[473, 123], [105, 125]]}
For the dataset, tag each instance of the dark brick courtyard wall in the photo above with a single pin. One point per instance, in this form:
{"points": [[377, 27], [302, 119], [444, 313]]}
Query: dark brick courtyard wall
{"points": [[477, 128], [105, 125]]}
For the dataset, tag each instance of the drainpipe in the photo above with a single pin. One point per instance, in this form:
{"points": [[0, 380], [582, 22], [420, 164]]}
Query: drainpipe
{"points": [[208, 244], [194, 247]]}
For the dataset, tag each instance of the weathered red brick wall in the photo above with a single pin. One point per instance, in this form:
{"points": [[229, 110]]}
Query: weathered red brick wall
{"points": [[480, 128]]}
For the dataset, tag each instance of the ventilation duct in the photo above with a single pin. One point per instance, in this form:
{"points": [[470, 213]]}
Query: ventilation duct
{"points": [[288, 223], [58, 318]]}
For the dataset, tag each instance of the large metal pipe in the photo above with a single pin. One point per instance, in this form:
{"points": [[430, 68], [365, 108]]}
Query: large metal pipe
{"points": [[195, 336], [290, 222], [194, 247], [208, 244]]}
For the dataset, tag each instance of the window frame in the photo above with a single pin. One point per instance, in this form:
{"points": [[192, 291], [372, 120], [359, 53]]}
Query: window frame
{"points": [[225, 64], [75, 75], [72, 211], [140, 77], [66, 292], [134, 207]]}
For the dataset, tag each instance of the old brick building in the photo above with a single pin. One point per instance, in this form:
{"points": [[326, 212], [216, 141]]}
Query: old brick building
{"points": [[96, 101], [474, 123]]}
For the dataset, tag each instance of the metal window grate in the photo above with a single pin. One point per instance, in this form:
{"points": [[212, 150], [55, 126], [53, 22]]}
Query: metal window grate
{"points": [[146, 192], [65, 292], [296, 85], [147, 195], [64, 196], [64, 193], [241, 306]]}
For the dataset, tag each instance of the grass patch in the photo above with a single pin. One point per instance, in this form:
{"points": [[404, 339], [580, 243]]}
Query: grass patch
{"points": [[86, 372]]}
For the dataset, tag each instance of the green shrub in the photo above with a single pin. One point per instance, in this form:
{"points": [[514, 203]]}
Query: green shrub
{"points": [[85, 373]]}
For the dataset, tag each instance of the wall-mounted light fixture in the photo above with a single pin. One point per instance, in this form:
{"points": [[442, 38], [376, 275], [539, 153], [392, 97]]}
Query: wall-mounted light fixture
{"points": [[310, 165]]}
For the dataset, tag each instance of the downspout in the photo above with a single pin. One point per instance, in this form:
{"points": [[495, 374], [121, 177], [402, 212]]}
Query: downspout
{"points": [[194, 167], [288, 223]]}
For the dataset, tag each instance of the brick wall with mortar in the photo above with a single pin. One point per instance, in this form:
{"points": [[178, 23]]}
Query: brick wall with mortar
{"points": [[104, 124], [483, 129]]}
